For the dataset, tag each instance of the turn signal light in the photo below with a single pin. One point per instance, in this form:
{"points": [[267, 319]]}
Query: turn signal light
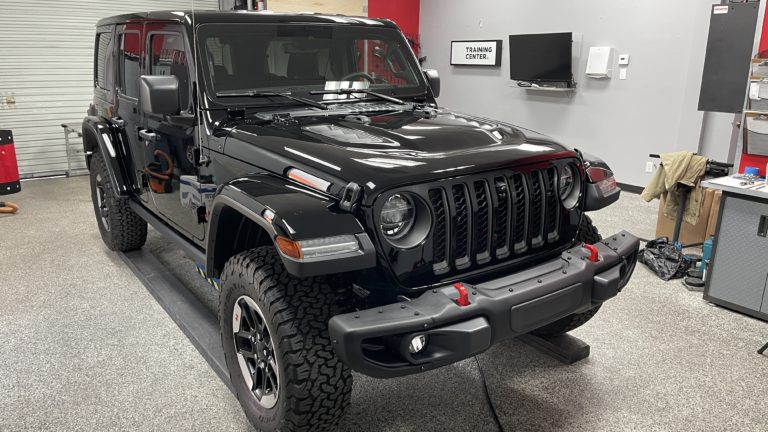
{"points": [[319, 247], [603, 178], [289, 247], [308, 179]]}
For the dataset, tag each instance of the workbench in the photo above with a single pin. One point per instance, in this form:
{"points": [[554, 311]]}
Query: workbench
{"points": [[737, 275]]}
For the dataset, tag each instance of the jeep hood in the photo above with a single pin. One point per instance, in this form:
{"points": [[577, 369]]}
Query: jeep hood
{"points": [[381, 151]]}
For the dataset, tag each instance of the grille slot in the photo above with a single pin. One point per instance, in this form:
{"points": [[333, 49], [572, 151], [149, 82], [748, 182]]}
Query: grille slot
{"points": [[461, 225], [520, 206], [536, 215], [501, 217], [552, 217], [440, 231], [492, 217], [482, 223]]}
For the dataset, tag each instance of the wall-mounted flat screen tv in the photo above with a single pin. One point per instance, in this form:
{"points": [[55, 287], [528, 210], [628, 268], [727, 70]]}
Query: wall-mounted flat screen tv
{"points": [[541, 57]]}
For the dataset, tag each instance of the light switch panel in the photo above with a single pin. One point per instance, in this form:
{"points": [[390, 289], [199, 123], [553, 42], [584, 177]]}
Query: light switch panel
{"points": [[623, 59]]}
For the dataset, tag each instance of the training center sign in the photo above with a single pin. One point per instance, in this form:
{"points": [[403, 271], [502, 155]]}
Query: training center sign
{"points": [[476, 53]]}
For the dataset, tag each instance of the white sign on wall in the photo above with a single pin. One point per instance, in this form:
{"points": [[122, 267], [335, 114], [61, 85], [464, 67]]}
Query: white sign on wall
{"points": [[476, 53]]}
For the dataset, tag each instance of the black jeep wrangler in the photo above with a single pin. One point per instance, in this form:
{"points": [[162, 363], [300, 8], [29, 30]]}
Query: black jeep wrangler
{"points": [[350, 223]]}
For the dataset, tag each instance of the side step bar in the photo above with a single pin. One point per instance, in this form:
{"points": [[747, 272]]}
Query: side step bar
{"points": [[194, 252]]}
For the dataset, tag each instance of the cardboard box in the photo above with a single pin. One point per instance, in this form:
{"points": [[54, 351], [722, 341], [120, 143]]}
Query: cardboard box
{"points": [[714, 214], [688, 233]]}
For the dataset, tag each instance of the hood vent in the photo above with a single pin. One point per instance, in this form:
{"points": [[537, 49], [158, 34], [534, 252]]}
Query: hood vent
{"points": [[348, 135]]}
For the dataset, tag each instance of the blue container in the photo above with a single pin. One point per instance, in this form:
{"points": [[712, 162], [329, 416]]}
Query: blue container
{"points": [[706, 254]]}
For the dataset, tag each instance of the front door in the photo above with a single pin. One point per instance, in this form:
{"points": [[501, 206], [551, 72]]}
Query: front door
{"points": [[171, 145]]}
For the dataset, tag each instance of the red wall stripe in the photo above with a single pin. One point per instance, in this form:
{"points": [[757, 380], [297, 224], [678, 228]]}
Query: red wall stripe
{"points": [[405, 13]]}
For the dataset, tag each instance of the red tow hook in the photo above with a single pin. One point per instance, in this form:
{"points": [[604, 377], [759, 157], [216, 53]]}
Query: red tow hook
{"points": [[463, 299], [593, 256]]}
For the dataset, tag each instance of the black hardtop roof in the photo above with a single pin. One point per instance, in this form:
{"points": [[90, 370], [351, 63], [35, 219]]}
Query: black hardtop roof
{"points": [[212, 16]]}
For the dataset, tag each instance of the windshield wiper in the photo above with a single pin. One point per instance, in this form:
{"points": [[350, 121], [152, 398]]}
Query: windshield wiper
{"points": [[253, 93], [368, 92]]}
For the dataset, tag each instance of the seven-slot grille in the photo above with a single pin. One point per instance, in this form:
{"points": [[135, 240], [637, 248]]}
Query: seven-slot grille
{"points": [[480, 219]]}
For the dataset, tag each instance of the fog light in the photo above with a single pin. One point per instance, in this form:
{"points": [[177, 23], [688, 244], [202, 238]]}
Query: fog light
{"points": [[418, 343]]}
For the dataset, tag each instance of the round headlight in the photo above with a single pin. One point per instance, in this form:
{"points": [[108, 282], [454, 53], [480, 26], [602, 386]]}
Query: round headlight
{"points": [[397, 216], [566, 182]]}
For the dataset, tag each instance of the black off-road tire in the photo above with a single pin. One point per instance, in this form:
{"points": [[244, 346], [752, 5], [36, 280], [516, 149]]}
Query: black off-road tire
{"points": [[121, 228], [588, 234], [314, 385]]}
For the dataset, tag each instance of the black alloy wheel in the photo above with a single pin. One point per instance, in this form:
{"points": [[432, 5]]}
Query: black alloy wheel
{"points": [[101, 202], [255, 351]]}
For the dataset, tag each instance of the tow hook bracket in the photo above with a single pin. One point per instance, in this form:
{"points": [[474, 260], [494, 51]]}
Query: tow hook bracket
{"points": [[593, 253], [463, 299]]}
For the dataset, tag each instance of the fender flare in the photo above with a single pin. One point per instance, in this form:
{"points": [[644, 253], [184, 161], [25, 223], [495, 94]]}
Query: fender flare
{"points": [[99, 135], [299, 214]]}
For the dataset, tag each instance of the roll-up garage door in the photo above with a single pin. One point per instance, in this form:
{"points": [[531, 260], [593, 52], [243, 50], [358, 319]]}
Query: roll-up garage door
{"points": [[46, 71]]}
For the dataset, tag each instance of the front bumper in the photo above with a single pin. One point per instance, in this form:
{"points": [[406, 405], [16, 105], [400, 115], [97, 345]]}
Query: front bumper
{"points": [[375, 341]]}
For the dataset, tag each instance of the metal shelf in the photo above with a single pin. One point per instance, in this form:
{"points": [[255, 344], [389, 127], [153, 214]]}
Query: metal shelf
{"points": [[546, 89], [550, 89]]}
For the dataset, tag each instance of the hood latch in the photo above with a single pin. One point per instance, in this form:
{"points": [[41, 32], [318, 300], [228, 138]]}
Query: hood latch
{"points": [[349, 196]]}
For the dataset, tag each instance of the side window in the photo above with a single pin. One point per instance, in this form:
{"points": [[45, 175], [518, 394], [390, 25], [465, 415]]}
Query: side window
{"points": [[168, 57], [130, 54], [102, 55]]}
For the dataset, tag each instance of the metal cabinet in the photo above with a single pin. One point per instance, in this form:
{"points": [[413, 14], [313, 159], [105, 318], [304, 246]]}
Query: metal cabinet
{"points": [[738, 273]]}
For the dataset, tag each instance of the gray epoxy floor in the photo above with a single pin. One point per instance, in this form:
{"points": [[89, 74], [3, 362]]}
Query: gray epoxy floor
{"points": [[83, 346]]}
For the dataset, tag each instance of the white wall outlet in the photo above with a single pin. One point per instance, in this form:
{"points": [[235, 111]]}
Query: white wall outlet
{"points": [[649, 167]]}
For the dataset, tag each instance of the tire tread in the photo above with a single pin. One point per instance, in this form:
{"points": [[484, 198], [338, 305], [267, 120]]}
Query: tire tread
{"points": [[128, 231], [317, 384]]}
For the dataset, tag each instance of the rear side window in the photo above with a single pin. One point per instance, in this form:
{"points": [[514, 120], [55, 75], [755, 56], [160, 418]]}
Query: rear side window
{"points": [[102, 54], [168, 57], [130, 54]]}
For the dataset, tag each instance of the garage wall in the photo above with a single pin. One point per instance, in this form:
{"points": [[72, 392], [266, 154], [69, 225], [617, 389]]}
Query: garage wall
{"points": [[46, 71], [653, 111]]}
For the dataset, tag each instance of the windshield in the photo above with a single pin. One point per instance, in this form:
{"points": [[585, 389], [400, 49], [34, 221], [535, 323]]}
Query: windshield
{"points": [[303, 58]]}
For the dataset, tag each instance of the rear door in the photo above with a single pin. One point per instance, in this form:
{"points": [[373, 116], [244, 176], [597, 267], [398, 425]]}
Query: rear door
{"points": [[130, 40]]}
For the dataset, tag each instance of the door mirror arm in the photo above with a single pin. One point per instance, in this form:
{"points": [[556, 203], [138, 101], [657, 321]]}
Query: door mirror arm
{"points": [[184, 120]]}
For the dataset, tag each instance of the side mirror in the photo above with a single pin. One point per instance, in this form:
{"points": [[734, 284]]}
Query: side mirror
{"points": [[434, 81], [159, 94]]}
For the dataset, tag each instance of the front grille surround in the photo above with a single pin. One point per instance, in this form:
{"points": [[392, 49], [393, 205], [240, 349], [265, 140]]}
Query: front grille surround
{"points": [[487, 219]]}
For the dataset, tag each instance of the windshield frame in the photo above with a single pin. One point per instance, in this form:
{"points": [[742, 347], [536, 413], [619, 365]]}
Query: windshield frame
{"points": [[420, 90]]}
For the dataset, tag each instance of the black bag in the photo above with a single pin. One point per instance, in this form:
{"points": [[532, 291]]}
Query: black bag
{"points": [[664, 259]]}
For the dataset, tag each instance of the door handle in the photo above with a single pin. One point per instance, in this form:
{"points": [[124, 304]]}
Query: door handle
{"points": [[148, 136], [762, 227]]}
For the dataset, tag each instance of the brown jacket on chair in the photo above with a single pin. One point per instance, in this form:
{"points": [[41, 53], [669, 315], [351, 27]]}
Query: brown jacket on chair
{"points": [[679, 168]]}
